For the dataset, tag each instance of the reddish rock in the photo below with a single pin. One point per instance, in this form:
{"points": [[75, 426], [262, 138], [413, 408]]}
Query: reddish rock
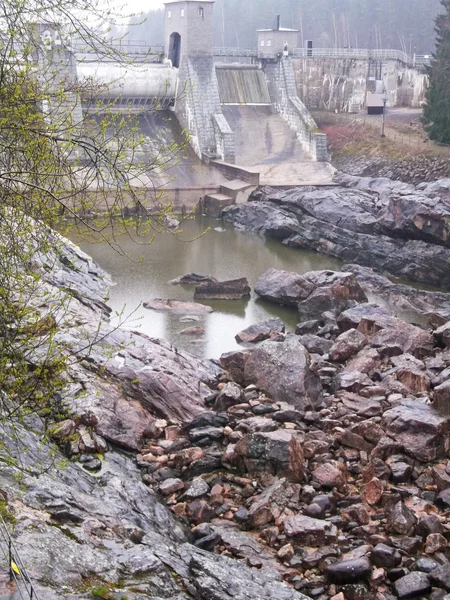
{"points": [[286, 552], [330, 475], [193, 331], [415, 380], [372, 491], [347, 344], [435, 542], [419, 429], [306, 531], [170, 486], [199, 511], [268, 505]]}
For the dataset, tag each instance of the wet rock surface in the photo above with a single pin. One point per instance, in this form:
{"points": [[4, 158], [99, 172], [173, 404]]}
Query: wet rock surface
{"points": [[234, 289], [395, 228], [177, 306]]}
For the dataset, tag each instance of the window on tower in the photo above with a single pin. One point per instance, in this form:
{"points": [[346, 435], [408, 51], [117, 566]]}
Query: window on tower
{"points": [[201, 12]]}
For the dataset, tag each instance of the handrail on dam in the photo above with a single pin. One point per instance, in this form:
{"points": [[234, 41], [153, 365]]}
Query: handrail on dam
{"points": [[17, 570], [363, 54]]}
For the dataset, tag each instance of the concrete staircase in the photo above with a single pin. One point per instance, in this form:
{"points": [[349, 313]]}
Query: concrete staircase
{"points": [[235, 191]]}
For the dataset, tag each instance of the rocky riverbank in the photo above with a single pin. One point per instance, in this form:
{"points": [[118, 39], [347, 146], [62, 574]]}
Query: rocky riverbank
{"points": [[312, 463], [322, 456], [395, 228]]}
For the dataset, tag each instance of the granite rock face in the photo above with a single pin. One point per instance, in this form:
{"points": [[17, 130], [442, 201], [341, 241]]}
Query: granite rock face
{"points": [[394, 228]]}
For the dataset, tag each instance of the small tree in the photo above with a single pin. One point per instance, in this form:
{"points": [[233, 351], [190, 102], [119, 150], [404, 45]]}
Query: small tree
{"points": [[436, 114], [57, 163]]}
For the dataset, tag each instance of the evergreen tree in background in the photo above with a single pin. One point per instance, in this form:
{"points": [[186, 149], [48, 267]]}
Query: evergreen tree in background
{"points": [[436, 114]]}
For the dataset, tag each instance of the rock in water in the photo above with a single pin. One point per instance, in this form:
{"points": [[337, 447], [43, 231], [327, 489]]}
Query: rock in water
{"points": [[282, 370], [177, 306], [234, 289], [283, 287], [192, 279], [312, 293], [260, 331]]}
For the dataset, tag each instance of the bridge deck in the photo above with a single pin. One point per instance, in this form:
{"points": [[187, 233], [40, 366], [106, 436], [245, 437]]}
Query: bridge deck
{"points": [[264, 140]]}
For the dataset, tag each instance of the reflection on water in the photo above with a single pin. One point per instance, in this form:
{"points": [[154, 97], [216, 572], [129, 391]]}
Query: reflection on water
{"points": [[227, 254]]}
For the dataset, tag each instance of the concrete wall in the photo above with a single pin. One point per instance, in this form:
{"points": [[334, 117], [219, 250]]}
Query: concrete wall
{"points": [[341, 84], [283, 92]]}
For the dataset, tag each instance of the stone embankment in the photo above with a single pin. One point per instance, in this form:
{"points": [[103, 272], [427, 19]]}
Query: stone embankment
{"points": [[318, 459], [395, 228]]}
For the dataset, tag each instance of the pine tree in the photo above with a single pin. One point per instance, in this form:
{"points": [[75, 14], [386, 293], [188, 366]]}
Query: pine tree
{"points": [[436, 115]]}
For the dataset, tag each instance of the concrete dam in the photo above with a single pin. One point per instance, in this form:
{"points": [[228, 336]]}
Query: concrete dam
{"points": [[246, 123]]}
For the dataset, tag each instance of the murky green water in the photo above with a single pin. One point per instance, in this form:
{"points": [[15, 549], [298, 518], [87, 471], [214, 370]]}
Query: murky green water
{"points": [[226, 254]]}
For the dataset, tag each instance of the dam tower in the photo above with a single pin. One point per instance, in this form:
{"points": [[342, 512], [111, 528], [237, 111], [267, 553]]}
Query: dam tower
{"points": [[189, 47]]}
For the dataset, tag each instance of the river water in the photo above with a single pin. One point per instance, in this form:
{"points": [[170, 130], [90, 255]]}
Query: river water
{"points": [[223, 252]]}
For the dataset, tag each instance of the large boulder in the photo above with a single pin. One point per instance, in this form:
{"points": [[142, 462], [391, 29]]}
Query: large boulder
{"points": [[283, 287], [261, 218], [419, 429], [333, 291], [313, 293], [282, 370], [417, 217], [402, 338]]}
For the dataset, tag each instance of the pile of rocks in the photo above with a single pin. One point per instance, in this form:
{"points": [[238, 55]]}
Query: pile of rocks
{"points": [[322, 456]]}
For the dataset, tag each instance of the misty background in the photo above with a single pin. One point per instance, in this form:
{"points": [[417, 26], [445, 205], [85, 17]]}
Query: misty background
{"points": [[406, 25]]}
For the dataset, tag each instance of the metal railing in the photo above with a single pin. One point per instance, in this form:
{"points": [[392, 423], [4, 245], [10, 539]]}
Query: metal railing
{"points": [[245, 52], [356, 53], [416, 60], [17, 570], [132, 47]]}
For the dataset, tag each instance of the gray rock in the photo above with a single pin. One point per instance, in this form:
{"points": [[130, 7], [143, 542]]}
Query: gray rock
{"points": [[385, 556], [229, 395], [401, 520], [261, 331], [315, 344], [282, 370], [348, 571], [197, 488], [440, 577], [283, 287], [412, 585]]}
